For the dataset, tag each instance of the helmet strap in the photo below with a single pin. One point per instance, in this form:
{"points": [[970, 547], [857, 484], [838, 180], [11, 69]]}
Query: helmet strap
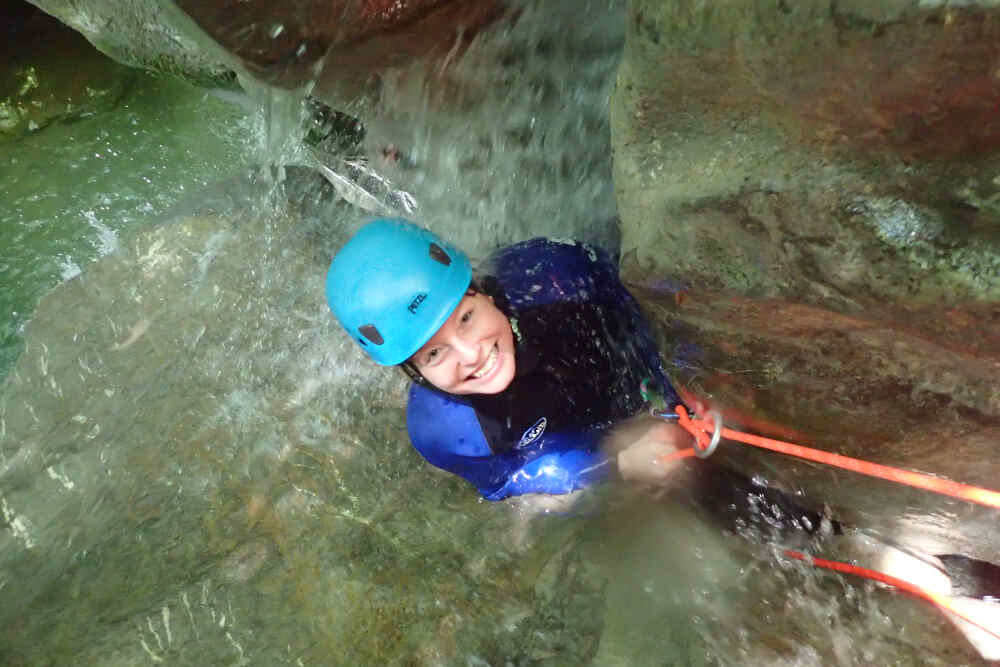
{"points": [[411, 372]]}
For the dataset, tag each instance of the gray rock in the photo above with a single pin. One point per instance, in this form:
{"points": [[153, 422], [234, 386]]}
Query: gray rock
{"points": [[152, 35], [809, 202], [342, 43]]}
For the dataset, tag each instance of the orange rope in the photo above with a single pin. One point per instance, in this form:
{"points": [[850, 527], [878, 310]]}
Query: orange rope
{"points": [[941, 601], [701, 429]]}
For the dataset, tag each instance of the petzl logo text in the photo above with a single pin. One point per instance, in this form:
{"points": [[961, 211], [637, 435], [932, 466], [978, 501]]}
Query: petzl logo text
{"points": [[417, 300]]}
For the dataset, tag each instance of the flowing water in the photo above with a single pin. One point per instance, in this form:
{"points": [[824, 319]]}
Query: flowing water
{"points": [[70, 191], [196, 467]]}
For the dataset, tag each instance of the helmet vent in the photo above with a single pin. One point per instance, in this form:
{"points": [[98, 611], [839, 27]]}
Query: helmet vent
{"points": [[439, 255], [371, 333]]}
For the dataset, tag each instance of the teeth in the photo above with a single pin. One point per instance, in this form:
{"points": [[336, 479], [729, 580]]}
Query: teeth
{"points": [[488, 366]]}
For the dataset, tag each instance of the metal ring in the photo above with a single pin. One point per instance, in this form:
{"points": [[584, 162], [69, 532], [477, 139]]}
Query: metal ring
{"points": [[716, 436]]}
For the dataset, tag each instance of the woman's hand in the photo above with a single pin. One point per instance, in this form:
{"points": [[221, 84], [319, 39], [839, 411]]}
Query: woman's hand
{"points": [[641, 445]]}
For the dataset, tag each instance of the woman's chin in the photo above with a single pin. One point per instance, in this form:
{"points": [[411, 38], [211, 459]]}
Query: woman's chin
{"points": [[503, 379]]}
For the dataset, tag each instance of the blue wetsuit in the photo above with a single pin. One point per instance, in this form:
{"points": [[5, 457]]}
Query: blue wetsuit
{"points": [[582, 352]]}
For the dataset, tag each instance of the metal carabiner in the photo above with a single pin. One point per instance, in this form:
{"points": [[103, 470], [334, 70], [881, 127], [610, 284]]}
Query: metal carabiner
{"points": [[716, 431], [716, 436], [663, 414]]}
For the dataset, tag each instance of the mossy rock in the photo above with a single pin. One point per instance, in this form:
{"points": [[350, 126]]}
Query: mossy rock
{"points": [[53, 74]]}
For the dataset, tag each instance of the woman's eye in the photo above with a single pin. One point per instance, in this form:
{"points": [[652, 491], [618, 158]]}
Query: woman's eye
{"points": [[466, 316], [432, 355]]}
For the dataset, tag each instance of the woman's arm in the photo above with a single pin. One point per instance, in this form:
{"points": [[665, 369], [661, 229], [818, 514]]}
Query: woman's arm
{"points": [[448, 435]]}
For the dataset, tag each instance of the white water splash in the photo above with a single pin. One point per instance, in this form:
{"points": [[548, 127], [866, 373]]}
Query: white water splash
{"points": [[107, 240]]}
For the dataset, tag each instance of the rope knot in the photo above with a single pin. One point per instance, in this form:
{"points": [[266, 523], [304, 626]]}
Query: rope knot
{"points": [[706, 433]]}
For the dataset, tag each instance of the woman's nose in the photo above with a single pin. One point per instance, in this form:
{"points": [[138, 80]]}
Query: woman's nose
{"points": [[467, 351]]}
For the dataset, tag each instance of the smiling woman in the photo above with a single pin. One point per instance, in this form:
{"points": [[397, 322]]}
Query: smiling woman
{"points": [[526, 380], [472, 352]]}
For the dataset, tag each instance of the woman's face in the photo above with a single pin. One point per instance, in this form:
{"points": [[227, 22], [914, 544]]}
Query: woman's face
{"points": [[472, 352]]}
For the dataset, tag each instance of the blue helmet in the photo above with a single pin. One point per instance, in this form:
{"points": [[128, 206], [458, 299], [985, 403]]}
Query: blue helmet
{"points": [[393, 285]]}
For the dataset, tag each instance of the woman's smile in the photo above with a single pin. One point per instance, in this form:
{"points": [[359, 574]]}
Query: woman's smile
{"points": [[489, 365]]}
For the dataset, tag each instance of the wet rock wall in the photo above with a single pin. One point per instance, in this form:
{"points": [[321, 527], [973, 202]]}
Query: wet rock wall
{"points": [[807, 198]]}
